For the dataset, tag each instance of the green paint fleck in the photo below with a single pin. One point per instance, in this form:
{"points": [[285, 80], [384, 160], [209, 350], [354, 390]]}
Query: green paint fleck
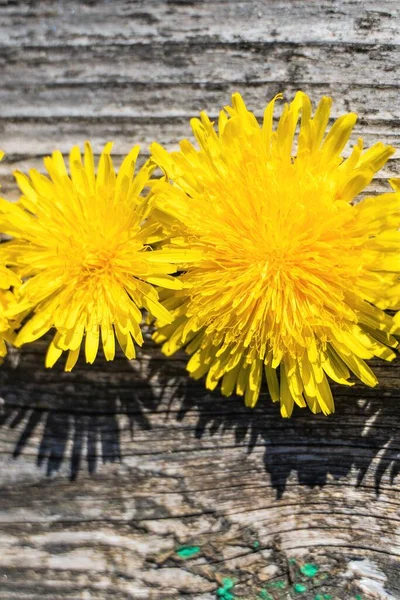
{"points": [[323, 597], [309, 570], [279, 585], [292, 561], [299, 588], [223, 592], [256, 545], [358, 597], [228, 583], [187, 551], [264, 595]]}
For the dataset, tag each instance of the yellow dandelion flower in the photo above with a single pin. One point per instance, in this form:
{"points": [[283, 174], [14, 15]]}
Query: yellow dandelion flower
{"points": [[294, 276], [8, 280], [81, 243], [395, 183]]}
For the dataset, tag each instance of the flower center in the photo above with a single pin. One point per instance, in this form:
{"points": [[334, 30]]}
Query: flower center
{"points": [[97, 261], [275, 262]]}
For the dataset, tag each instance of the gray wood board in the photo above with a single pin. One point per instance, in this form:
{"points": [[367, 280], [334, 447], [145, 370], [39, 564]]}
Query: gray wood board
{"points": [[108, 471]]}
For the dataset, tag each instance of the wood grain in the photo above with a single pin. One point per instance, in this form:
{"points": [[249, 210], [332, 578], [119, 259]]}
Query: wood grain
{"points": [[106, 472]]}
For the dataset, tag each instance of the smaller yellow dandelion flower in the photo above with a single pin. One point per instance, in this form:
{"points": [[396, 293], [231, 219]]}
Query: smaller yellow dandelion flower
{"points": [[81, 243], [294, 274], [8, 280]]}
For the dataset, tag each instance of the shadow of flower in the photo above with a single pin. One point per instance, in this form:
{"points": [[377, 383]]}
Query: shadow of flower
{"points": [[78, 424], [364, 430], [77, 415]]}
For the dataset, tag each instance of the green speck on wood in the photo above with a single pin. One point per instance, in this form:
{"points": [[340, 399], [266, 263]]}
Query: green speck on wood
{"points": [[323, 597], [228, 583], [299, 588], [264, 595], [309, 570], [280, 585], [187, 551], [256, 545], [223, 592], [358, 597]]}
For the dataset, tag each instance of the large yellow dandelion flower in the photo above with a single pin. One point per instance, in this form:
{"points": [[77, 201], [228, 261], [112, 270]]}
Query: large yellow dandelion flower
{"points": [[294, 275], [81, 245]]}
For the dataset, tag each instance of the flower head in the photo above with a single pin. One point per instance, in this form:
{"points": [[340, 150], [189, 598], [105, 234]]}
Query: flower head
{"points": [[82, 245], [8, 280], [294, 275]]}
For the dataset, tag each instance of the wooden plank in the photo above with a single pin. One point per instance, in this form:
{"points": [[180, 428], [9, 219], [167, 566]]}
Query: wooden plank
{"points": [[162, 99], [44, 23], [106, 472], [200, 62], [181, 466]]}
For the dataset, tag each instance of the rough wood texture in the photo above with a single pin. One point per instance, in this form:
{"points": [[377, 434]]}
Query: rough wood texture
{"points": [[106, 472]]}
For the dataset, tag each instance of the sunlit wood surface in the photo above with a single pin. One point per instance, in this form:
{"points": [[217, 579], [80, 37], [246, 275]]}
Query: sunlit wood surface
{"points": [[127, 480]]}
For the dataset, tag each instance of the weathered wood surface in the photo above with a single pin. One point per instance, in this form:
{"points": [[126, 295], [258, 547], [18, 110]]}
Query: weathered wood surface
{"points": [[105, 472]]}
